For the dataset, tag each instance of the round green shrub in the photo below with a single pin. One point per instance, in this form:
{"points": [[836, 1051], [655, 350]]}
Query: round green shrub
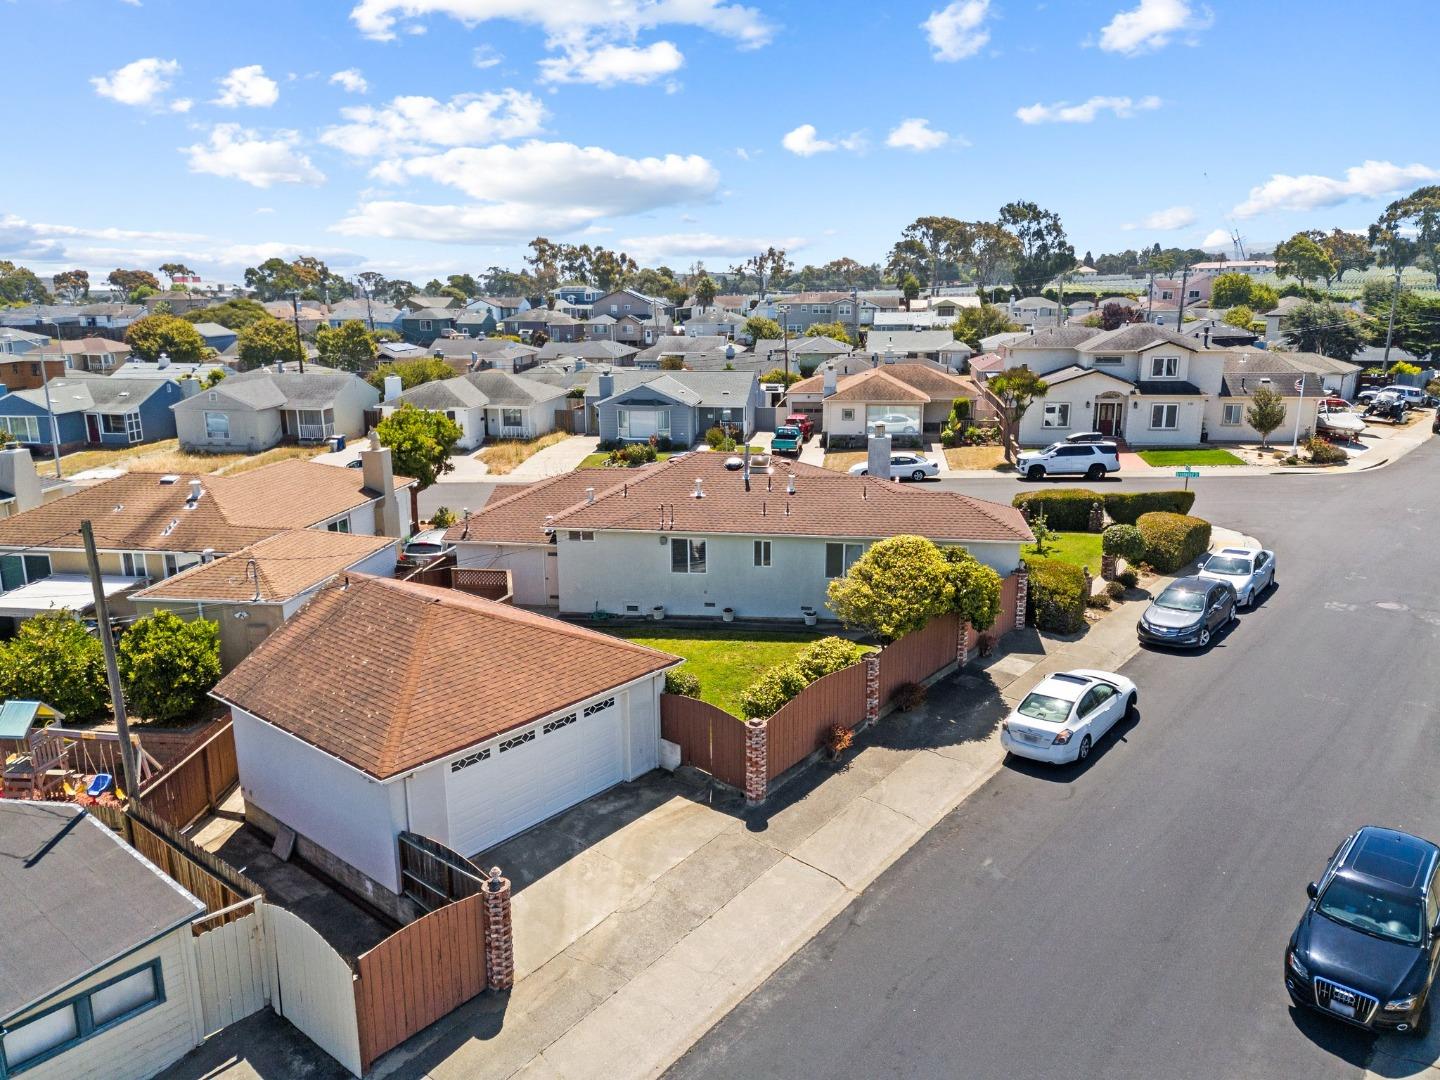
{"points": [[777, 685], [825, 656], [1124, 542], [1326, 453], [682, 683], [1173, 540], [442, 518], [1127, 578], [1115, 590], [1125, 508]]}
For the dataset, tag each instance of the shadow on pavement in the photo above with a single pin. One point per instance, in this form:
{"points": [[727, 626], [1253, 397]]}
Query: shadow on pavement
{"points": [[1349, 1044], [1072, 771]]}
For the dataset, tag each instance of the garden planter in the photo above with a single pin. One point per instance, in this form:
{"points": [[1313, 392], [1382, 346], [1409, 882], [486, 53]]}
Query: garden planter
{"points": [[657, 612], [810, 616], [728, 614]]}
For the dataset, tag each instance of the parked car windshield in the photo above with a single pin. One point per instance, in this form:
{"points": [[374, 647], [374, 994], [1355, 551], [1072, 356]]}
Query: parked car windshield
{"points": [[1052, 710], [1395, 917], [1181, 600], [1228, 564]]}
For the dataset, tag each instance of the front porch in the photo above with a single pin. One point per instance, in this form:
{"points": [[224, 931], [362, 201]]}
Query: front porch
{"points": [[307, 425]]}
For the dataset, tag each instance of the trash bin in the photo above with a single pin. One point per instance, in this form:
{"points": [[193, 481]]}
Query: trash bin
{"points": [[337, 442]]}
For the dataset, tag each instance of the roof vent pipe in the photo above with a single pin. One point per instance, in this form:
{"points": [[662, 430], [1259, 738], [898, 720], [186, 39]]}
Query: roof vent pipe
{"points": [[699, 488], [790, 485], [589, 495], [195, 492]]}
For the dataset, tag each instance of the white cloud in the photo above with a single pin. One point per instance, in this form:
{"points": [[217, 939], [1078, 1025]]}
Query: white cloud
{"points": [[19, 239], [181, 105], [958, 31], [1368, 181], [350, 80], [1216, 240], [242, 154], [486, 56], [1152, 25], [1173, 217], [608, 65], [571, 22], [684, 247], [805, 142], [247, 86], [411, 122], [1063, 112], [140, 82], [916, 134]]}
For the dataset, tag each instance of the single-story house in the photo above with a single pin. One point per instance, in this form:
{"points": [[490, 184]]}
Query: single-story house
{"points": [[252, 592], [633, 328], [421, 301], [18, 342], [92, 410], [806, 353], [1226, 413], [555, 325], [913, 401], [726, 324], [937, 345], [951, 306], [216, 336], [461, 719], [94, 354], [911, 320], [1337, 376], [498, 307], [489, 404], [501, 354], [767, 549], [373, 313], [682, 345], [99, 973], [256, 410], [592, 352], [1037, 312], [633, 406]]}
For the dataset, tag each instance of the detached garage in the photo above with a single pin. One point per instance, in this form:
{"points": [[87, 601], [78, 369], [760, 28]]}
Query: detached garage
{"points": [[386, 706]]}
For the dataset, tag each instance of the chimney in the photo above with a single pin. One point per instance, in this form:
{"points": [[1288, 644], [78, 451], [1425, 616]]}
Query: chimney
{"points": [[589, 495], [877, 460], [378, 472], [605, 385], [1207, 337], [393, 387], [474, 360], [162, 361], [19, 479], [699, 488], [830, 379]]}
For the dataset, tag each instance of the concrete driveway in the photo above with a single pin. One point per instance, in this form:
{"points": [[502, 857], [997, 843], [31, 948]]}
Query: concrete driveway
{"points": [[563, 457]]}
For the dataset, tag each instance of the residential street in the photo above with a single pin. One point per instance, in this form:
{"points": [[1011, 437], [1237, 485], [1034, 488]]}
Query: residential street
{"points": [[1127, 919]]}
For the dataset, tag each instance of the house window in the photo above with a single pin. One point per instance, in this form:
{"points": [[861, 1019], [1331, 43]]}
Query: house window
{"points": [[217, 427], [132, 564], [847, 414], [643, 423], [1233, 414], [82, 1017], [1165, 417], [843, 309], [18, 570], [25, 429], [340, 525], [839, 557], [1109, 361], [1164, 367], [762, 552], [580, 535], [687, 556], [794, 327], [511, 417], [426, 324], [176, 563], [1057, 414]]}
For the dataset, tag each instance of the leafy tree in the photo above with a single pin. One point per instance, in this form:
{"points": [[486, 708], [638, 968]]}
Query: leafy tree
{"points": [[1302, 258], [466, 283], [168, 665], [1409, 230], [1240, 316], [908, 258], [1324, 328], [19, 285], [72, 285], [213, 378], [1044, 250], [977, 588], [895, 588], [1417, 322], [1088, 260], [348, 347], [399, 290], [412, 372], [385, 335], [909, 288], [990, 250], [1017, 388], [758, 327], [834, 330], [1115, 315], [1230, 290], [767, 265], [1347, 250], [276, 279], [54, 659], [138, 294], [453, 293], [672, 363], [233, 314], [267, 341], [973, 324], [129, 280], [780, 375], [544, 262], [421, 442], [705, 291], [941, 240], [610, 269], [1265, 413], [1402, 367], [159, 333], [1263, 297], [172, 270]]}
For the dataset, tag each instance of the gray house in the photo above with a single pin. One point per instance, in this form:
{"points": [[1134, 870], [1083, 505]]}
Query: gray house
{"points": [[256, 410], [632, 406]]}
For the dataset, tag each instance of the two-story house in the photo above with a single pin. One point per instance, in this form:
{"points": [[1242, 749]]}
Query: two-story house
{"points": [[801, 311]]}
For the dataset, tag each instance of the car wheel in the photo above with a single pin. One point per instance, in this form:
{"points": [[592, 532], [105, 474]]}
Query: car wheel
{"points": [[1130, 706], [1035, 472], [918, 474], [1204, 637], [1084, 751], [1095, 472]]}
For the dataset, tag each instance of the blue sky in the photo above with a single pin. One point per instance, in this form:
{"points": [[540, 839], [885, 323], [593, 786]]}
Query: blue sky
{"points": [[423, 137]]}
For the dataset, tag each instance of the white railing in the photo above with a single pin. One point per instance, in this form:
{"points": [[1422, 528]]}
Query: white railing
{"points": [[314, 432]]}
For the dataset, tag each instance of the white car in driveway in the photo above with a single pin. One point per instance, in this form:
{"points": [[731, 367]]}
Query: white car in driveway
{"points": [[1064, 717], [1251, 570], [902, 467]]}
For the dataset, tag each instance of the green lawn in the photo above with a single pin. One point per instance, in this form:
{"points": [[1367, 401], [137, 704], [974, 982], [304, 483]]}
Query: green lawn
{"points": [[1166, 459], [1080, 548], [724, 661]]}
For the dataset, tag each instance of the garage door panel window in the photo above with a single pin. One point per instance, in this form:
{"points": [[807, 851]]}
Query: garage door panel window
{"points": [[556, 725], [1165, 417], [1057, 414], [469, 759], [518, 740]]}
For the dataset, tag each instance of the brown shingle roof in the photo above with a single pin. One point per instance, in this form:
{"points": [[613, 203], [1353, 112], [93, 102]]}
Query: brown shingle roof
{"points": [[518, 516], [877, 384], [286, 565], [825, 504], [438, 671], [929, 380]]}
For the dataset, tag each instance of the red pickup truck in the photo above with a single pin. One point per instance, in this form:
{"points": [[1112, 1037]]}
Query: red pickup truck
{"points": [[803, 422]]}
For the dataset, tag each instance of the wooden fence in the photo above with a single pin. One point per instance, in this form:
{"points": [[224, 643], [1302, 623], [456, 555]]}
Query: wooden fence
{"points": [[794, 733], [710, 738], [916, 657], [418, 975], [492, 584], [197, 783], [433, 875]]}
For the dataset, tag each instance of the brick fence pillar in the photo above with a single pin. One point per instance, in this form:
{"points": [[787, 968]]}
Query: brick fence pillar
{"points": [[872, 687], [1108, 565], [757, 761], [1097, 517], [962, 643], [1022, 596], [499, 934]]}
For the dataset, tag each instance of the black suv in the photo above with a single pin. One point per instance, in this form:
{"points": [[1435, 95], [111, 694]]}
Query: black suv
{"points": [[1367, 946]]}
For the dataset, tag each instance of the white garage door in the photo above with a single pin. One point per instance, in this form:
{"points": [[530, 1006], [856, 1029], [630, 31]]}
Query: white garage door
{"points": [[533, 773]]}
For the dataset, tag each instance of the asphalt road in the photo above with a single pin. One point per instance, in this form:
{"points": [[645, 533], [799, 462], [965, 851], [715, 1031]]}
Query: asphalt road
{"points": [[1127, 919]]}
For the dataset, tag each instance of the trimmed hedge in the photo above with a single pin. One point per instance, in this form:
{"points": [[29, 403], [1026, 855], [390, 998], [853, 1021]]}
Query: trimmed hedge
{"points": [[1123, 542], [1126, 509], [777, 685], [1065, 509], [1056, 595], [1172, 540]]}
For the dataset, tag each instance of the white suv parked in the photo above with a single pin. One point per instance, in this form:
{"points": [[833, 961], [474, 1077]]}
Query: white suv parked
{"points": [[1091, 460]]}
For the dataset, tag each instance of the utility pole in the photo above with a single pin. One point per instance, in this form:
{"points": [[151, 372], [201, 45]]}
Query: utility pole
{"points": [[299, 348], [369, 314], [112, 667], [1394, 303], [50, 408], [1180, 315]]}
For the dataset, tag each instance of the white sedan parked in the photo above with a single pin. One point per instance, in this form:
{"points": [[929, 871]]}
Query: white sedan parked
{"points": [[1250, 569], [1064, 717], [902, 467]]}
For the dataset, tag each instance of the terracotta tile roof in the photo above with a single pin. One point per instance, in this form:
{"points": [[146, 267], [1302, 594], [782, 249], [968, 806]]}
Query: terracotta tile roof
{"points": [[438, 671], [140, 511], [286, 565], [825, 504]]}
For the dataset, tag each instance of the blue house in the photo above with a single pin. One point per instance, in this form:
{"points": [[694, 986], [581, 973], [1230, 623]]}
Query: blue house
{"points": [[92, 411], [634, 405], [424, 325], [216, 336]]}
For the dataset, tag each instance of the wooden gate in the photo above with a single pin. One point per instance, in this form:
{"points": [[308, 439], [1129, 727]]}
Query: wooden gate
{"points": [[313, 987], [233, 967]]}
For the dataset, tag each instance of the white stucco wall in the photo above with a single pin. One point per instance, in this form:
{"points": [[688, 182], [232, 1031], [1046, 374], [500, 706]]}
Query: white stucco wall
{"points": [[1243, 432], [526, 563], [349, 814]]}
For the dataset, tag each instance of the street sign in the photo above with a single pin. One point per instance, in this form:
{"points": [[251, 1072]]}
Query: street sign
{"points": [[1187, 474]]}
